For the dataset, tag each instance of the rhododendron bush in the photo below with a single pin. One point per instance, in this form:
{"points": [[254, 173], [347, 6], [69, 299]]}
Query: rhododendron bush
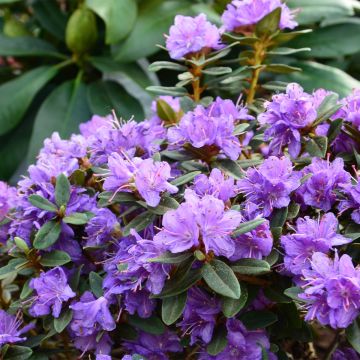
{"points": [[218, 228]]}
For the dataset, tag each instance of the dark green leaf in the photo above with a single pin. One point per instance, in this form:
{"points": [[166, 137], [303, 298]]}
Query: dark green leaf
{"points": [[26, 290], [154, 20], [6, 270], [164, 90], [42, 203], [166, 203], [139, 223], [26, 46], [221, 279], [258, 319], [159, 65], [293, 293], [16, 95], [105, 96], [76, 219], [328, 107], [334, 130], [251, 267], [47, 235], [62, 190], [353, 334], [293, 210], [172, 308], [230, 307], [282, 68], [317, 146], [119, 17], [230, 168], [279, 217], [247, 226], [96, 281], [269, 24], [184, 179], [276, 295], [169, 258], [55, 258], [16, 352], [152, 325], [63, 321], [284, 37], [217, 70], [69, 100], [245, 164], [75, 278], [165, 111], [218, 341]]}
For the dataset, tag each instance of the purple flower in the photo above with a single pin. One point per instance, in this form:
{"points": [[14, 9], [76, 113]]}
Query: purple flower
{"points": [[211, 127], [199, 316], [325, 179], [91, 127], [191, 35], [345, 354], [100, 228], [352, 193], [52, 290], [270, 185], [91, 315], [99, 342], [7, 199], [199, 219], [140, 303], [286, 115], [332, 290], [154, 346], [350, 110], [216, 184], [10, 331], [310, 236], [256, 243], [242, 13]]}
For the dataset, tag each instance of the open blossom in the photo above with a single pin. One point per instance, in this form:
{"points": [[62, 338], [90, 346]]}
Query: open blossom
{"points": [[52, 290], [7, 199], [270, 185], [332, 290], [211, 127], [325, 179], [199, 219], [285, 115], [350, 111], [148, 177], [352, 201], [10, 331], [139, 302], [190, 35], [199, 317], [310, 236], [242, 13]]}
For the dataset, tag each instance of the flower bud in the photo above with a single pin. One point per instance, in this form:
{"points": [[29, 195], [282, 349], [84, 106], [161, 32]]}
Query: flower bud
{"points": [[81, 31]]}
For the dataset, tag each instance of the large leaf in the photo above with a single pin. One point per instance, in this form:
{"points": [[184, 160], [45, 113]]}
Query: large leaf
{"points": [[26, 46], [331, 41], [16, 95], [315, 75], [69, 100], [119, 17], [154, 19], [105, 96], [221, 279], [50, 17], [313, 11]]}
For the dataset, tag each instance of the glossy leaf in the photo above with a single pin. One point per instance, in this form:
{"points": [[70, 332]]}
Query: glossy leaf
{"points": [[16, 352], [42, 203], [119, 17], [170, 258], [63, 321], [47, 235], [251, 267], [172, 308], [55, 258], [230, 307], [165, 111], [62, 190], [317, 146], [218, 341], [76, 219]]}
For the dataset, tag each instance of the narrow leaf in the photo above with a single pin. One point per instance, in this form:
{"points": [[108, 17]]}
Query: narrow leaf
{"points": [[47, 235], [251, 267], [42, 203], [62, 190]]}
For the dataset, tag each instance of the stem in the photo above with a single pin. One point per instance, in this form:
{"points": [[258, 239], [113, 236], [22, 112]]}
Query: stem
{"points": [[197, 90], [64, 63]]}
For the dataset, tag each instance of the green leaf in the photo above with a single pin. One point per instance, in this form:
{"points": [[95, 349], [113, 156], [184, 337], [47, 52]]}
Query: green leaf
{"points": [[251, 267], [172, 308], [105, 96], [169, 258], [42, 203], [282, 68], [245, 164], [288, 51], [334, 130], [21, 244], [269, 24], [315, 75], [247, 226], [221, 279], [6, 270], [166, 90], [55, 258], [229, 167], [279, 217], [62, 190], [26, 290], [165, 111], [293, 210], [154, 19], [69, 100], [16, 95], [16, 352], [293, 293], [63, 321], [26, 46], [47, 235], [96, 281], [317, 146], [230, 307], [217, 70], [240, 129], [152, 325], [258, 319], [159, 65], [184, 179], [218, 341], [166, 203], [327, 108], [119, 17], [353, 334], [284, 37], [139, 223], [76, 219]]}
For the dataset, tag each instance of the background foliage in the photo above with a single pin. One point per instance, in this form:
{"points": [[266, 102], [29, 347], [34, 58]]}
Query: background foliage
{"points": [[46, 86]]}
